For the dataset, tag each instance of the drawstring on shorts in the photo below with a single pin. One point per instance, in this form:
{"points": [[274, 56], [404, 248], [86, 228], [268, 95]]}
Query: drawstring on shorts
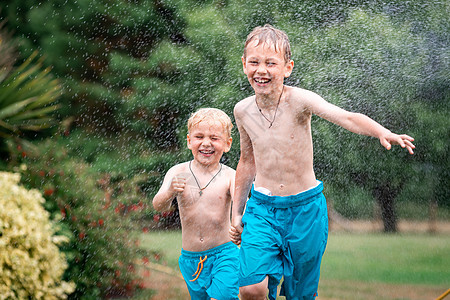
{"points": [[199, 268]]}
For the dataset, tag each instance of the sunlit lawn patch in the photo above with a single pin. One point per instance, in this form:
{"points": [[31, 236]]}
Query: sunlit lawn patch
{"points": [[168, 243], [402, 259]]}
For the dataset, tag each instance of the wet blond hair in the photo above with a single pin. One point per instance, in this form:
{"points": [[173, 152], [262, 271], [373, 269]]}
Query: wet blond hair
{"points": [[269, 35], [211, 114]]}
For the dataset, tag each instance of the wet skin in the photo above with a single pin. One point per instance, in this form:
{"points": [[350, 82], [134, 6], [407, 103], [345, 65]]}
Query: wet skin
{"points": [[205, 218]]}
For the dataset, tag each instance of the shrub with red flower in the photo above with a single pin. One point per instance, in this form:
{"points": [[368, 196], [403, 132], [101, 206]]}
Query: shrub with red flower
{"points": [[97, 216]]}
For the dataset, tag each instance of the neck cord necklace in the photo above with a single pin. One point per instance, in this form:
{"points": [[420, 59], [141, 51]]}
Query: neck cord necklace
{"points": [[196, 181], [275, 115]]}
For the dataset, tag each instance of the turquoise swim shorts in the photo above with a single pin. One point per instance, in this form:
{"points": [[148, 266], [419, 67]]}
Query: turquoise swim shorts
{"points": [[212, 273], [284, 237]]}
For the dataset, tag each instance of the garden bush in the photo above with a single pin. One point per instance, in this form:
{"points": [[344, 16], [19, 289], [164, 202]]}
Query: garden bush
{"points": [[97, 212], [30, 262]]}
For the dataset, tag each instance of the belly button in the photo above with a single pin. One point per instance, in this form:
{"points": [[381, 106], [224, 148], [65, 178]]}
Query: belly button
{"points": [[281, 186], [201, 239]]}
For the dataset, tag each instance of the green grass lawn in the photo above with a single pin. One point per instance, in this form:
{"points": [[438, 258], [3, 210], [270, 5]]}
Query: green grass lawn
{"points": [[168, 243], [400, 259], [372, 259]]}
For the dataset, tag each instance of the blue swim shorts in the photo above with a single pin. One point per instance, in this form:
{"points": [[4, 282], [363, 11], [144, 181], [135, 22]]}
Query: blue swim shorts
{"points": [[212, 273], [284, 236]]}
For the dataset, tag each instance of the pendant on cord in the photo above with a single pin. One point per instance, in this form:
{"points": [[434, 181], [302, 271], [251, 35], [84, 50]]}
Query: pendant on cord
{"points": [[276, 109], [200, 192]]}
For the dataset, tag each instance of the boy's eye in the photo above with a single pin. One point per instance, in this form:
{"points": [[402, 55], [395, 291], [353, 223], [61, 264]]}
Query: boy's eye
{"points": [[270, 63]]}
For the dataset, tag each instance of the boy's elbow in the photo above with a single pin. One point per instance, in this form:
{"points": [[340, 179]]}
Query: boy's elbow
{"points": [[161, 204], [351, 121], [156, 205], [352, 117], [248, 162]]}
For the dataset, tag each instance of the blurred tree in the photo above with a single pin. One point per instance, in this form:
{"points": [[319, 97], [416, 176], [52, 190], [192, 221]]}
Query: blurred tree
{"points": [[372, 66], [81, 38]]}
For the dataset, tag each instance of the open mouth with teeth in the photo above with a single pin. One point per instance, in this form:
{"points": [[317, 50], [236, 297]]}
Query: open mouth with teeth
{"points": [[262, 80], [206, 152]]}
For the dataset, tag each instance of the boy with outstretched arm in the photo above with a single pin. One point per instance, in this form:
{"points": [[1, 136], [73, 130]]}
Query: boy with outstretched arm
{"points": [[284, 230], [204, 188]]}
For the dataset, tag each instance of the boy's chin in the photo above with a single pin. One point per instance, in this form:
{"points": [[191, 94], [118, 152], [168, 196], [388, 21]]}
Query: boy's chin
{"points": [[263, 90], [207, 160]]}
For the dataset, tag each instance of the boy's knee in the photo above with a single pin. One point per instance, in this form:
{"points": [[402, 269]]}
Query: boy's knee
{"points": [[253, 292], [227, 295]]}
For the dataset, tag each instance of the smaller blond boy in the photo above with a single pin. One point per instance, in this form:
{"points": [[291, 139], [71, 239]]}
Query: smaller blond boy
{"points": [[204, 188]]}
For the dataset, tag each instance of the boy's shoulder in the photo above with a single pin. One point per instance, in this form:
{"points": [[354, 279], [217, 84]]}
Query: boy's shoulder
{"points": [[298, 93], [181, 167], [244, 103], [228, 171], [227, 176]]}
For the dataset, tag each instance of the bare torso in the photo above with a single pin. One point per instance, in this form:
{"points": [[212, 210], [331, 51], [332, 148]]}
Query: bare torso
{"points": [[205, 219], [283, 153]]}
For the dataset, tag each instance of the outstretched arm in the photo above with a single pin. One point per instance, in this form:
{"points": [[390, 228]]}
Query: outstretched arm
{"points": [[173, 184], [362, 124], [245, 174], [356, 122]]}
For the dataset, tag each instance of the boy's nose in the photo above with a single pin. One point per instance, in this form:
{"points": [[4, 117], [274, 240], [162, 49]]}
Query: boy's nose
{"points": [[261, 69], [206, 142]]}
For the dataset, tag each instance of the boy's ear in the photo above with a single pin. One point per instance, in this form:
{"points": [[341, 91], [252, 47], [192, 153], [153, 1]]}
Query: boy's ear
{"points": [[243, 64], [228, 146], [289, 68], [188, 140]]}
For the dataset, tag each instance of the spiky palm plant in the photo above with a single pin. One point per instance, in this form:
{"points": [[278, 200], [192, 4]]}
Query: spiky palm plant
{"points": [[27, 93]]}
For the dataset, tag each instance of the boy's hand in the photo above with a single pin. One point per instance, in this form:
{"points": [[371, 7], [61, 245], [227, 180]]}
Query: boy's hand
{"points": [[235, 232], [178, 184], [235, 235], [405, 141]]}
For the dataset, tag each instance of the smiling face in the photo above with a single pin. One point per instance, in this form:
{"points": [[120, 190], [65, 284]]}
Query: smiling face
{"points": [[265, 67], [208, 140]]}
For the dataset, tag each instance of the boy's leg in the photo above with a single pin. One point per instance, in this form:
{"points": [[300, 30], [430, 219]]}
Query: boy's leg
{"points": [[306, 289], [306, 244], [225, 274], [188, 267], [218, 272], [256, 291], [261, 264]]}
